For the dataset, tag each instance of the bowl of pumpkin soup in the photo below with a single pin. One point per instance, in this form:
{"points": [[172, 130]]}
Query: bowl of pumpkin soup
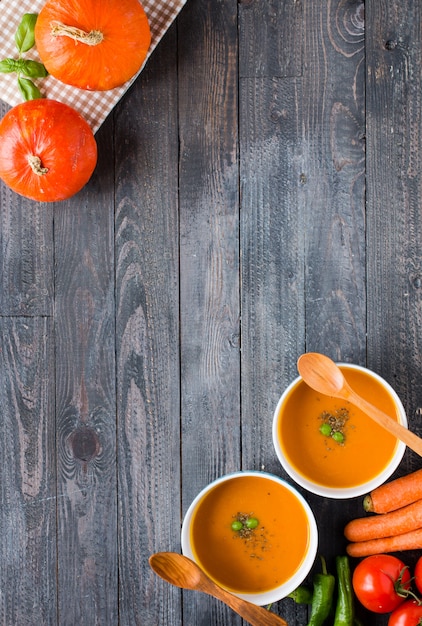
{"points": [[253, 534], [329, 446]]}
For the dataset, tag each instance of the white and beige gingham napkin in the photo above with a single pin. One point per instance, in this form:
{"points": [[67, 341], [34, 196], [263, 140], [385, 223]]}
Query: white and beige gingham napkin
{"points": [[93, 105]]}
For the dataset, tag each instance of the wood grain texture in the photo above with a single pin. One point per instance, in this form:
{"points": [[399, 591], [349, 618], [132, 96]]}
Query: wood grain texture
{"points": [[270, 38], [333, 144], [147, 325], [26, 255], [272, 267], [85, 398], [394, 86], [28, 561]]}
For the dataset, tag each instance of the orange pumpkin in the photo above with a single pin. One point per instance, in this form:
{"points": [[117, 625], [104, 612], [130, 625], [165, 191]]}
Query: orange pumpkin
{"points": [[47, 150], [92, 44]]}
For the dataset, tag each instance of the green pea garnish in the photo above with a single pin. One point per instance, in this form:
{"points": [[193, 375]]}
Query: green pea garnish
{"points": [[251, 523], [338, 437], [325, 429]]}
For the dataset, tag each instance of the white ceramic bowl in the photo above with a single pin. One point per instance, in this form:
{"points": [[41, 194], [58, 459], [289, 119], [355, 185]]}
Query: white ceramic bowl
{"points": [[303, 477], [304, 515]]}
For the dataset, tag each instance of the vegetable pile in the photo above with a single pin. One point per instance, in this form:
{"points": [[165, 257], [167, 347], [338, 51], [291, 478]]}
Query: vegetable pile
{"points": [[381, 582], [397, 521]]}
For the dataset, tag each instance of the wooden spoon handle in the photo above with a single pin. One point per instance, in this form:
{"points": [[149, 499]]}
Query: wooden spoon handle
{"points": [[398, 430], [255, 615]]}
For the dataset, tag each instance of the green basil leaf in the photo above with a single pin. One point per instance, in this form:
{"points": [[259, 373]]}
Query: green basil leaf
{"points": [[9, 65], [32, 69], [28, 89], [24, 36]]}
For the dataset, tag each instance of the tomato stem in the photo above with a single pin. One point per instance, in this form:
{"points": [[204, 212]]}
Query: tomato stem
{"points": [[93, 38], [36, 166]]}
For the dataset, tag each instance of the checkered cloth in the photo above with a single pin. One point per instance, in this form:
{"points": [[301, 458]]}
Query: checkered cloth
{"points": [[93, 105]]}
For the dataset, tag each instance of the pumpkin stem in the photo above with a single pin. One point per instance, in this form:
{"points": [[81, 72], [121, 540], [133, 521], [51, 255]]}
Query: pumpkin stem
{"points": [[35, 163], [93, 38]]}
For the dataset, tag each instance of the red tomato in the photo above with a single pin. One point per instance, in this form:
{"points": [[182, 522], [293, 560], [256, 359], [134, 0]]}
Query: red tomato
{"points": [[47, 150], [378, 581], [407, 614], [418, 575]]}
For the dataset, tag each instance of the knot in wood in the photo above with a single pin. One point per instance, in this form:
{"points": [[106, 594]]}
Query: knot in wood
{"points": [[417, 282], [277, 115], [391, 44], [84, 443], [234, 340]]}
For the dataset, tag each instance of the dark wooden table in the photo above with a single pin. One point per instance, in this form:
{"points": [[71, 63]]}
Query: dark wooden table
{"points": [[257, 196]]}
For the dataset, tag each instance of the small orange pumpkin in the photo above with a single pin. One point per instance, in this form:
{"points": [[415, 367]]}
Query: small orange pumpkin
{"points": [[93, 44], [47, 150]]}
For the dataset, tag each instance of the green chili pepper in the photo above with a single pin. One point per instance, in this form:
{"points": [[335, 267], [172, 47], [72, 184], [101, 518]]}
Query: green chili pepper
{"points": [[345, 610], [322, 598], [301, 595]]}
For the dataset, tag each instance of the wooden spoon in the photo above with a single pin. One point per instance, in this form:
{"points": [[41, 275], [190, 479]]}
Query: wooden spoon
{"points": [[323, 375], [181, 571]]}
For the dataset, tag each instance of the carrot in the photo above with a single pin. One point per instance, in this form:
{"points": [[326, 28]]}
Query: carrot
{"points": [[376, 526], [406, 541], [395, 494]]}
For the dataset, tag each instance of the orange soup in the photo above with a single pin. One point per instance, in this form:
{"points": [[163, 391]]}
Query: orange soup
{"points": [[243, 559], [359, 452]]}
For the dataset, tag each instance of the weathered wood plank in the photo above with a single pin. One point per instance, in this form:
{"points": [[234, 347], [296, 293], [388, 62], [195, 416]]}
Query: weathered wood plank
{"points": [[394, 186], [147, 323], [270, 38], [272, 243], [394, 161], [86, 405], [26, 253], [209, 259], [28, 562], [333, 144]]}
